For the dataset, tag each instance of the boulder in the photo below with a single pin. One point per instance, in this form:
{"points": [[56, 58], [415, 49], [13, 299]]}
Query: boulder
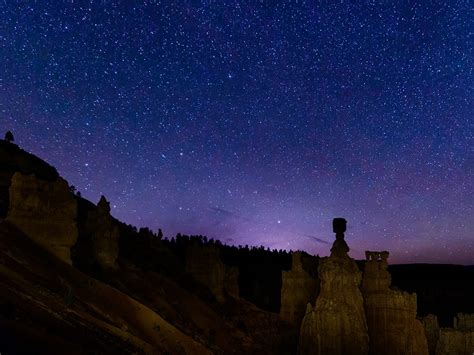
{"points": [[391, 315], [297, 290], [336, 325], [45, 211]]}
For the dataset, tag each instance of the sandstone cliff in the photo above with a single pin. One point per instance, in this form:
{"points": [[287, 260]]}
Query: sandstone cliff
{"points": [[45, 211], [336, 325], [391, 315], [14, 159], [105, 234], [298, 288]]}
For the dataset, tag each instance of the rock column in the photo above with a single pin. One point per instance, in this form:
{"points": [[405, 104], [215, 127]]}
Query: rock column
{"points": [[336, 325], [391, 315], [105, 235]]}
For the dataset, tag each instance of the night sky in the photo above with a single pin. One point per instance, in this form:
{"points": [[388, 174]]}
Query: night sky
{"points": [[255, 122]]}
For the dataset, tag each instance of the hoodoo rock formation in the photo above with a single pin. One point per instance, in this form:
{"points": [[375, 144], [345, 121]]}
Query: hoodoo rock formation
{"points": [[336, 325], [430, 323], [105, 235], [391, 315], [458, 340], [206, 267], [298, 288], [464, 322], [45, 211]]}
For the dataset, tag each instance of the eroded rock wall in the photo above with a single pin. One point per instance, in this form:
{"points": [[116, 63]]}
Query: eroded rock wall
{"points": [[14, 159], [45, 211], [454, 341], [431, 325], [336, 325], [458, 340], [464, 321], [391, 315], [298, 289], [206, 267]]}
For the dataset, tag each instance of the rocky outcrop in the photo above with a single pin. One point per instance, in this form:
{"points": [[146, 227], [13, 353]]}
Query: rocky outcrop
{"points": [[430, 323], [453, 341], [464, 322], [336, 325], [14, 159], [391, 315], [206, 267], [45, 211], [104, 234], [231, 280], [298, 288], [458, 340]]}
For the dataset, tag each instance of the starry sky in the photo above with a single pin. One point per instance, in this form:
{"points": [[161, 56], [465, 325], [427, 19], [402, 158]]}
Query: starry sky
{"points": [[255, 122]]}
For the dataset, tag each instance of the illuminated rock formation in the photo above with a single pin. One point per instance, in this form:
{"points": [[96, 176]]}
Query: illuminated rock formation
{"points": [[430, 323], [104, 234], [391, 315], [14, 159], [458, 340], [298, 288], [336, 325], [45, 211]]}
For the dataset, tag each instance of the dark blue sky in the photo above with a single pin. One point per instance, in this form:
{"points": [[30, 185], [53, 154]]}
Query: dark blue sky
{"points": [[255, 122]]}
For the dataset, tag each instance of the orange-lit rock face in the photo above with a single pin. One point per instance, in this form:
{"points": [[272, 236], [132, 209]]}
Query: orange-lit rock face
{"points": [[336, 325], [45, 212], [104, 235], [298, 288], [391, 315]]}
